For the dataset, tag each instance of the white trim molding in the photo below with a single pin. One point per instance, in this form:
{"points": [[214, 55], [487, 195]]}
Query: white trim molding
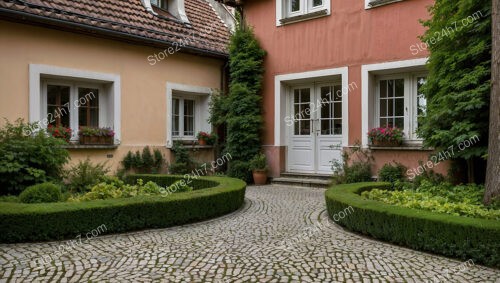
{"points": [[367, 86], [200, 118], [281, 86], [38, 72]]}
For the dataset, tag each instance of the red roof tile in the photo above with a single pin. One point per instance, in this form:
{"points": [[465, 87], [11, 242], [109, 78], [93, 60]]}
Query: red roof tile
{"points": [[206, 34]]}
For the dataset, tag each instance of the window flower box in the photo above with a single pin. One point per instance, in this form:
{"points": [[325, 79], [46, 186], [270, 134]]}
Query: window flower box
{"points": [[386, 136], [60, 132], [96, 136]]}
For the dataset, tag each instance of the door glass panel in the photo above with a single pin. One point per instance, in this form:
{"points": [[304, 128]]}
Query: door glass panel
{"points": [[399, 89], [302, 111], [337, 93], [330, 110]]}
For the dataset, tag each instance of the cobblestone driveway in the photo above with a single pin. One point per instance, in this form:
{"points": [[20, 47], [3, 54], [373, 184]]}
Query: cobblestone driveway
{"points": [[281, 235]]}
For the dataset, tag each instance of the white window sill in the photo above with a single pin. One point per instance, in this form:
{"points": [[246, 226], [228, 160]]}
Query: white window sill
{"points": [[377, 3], [303, 17]]}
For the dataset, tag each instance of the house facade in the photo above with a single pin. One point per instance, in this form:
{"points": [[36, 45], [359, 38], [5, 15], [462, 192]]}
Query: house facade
{"points": [[334, 70], [144, 68]]}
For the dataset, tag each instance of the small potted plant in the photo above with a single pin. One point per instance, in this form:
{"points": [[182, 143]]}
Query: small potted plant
{"points": [[205, 138], [386, 136], [96, 136], [60, 132], [258, 165]]}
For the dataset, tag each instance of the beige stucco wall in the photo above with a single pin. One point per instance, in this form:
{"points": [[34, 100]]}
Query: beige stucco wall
{"points": [[143, 87]]}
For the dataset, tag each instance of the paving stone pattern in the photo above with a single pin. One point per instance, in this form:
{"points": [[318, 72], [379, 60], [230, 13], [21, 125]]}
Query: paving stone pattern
{"points": [[282, 234]]}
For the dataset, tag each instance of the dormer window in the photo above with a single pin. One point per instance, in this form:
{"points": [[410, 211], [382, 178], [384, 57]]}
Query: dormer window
{"points": [[162, 4]]}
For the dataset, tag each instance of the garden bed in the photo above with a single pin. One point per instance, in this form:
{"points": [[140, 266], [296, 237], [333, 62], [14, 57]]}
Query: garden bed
{"points": [[455, 236], [212, 197]]}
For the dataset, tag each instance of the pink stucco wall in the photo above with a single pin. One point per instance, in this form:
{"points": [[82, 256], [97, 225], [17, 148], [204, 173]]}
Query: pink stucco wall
{"points": [[350, 37]]}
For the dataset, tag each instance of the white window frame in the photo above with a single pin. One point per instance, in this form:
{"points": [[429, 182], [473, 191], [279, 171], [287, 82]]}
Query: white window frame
{"points": [[182, 99], [283, 10], [202, 97], [73, 102], [108, 85], [369, 74]]}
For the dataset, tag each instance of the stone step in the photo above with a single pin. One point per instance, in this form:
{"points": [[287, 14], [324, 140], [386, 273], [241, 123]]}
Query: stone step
{"points": [[302, 182], [306, 176]]}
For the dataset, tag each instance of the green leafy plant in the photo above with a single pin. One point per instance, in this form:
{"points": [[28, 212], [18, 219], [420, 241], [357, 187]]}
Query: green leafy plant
{"points": [[98, 132], [258, 162], [244, 118], [352, 170], [458, 85], [128, 161], [158, 161], [392, 173], [208, 138], [41, 193], [147, 159], [184, 163], [386, 134], [84, 175], [28, 157], [463, 200]]}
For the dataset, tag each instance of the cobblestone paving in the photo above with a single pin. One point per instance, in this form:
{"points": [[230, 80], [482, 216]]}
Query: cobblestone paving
{"points": [[282, 234]]}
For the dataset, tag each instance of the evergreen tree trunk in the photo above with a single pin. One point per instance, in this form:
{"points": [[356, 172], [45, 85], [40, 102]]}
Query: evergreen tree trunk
{"points": [[493, 170]]}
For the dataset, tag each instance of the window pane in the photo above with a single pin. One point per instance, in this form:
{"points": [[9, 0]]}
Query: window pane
{"points": [[337, 113], [399, 122], [326, 94], [295, 5], [399, 87], [296, 128], [421, 101], [88, 107], [188, 117], [400, 106], [326, 127], [325, 110], [317, 3], [390, 107], [305, 127], [305, 95], [383, 107], [337, 93], [383, 122], [296, 96], [88, 97], [58, 105], [82, 117], [175, 117], [390, 88], [337, 127], [383, 88]]}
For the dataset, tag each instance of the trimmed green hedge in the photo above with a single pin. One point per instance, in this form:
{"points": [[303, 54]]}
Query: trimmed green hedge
{"points": [[460, 237], [167, 180], [38, 222]]}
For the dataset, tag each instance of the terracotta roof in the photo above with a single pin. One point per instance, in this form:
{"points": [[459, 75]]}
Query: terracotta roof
{"points": [[128, 20]]}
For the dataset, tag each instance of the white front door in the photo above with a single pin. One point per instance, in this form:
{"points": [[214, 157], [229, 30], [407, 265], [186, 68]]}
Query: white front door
{"points": [[316, 136]]}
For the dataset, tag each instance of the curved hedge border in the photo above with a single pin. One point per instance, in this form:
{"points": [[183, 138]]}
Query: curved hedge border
{"points": [[460, 237], [38, 222]]}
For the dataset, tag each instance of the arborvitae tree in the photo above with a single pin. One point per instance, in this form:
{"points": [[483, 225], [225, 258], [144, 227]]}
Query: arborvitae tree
{"points": [[244, 119], [458, 85], [147, 159]]}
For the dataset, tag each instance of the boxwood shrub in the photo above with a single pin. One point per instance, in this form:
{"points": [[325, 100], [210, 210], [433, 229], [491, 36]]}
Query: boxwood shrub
{"points": [[38, 222], [454, 236]]}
